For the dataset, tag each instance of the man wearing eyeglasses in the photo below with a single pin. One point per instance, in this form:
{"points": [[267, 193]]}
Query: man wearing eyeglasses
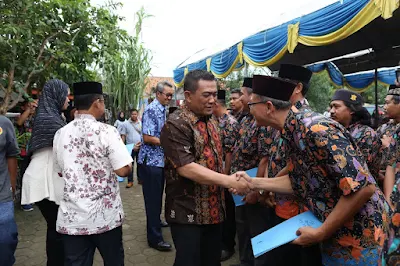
{"points": [[250, 151], [151, 164]]}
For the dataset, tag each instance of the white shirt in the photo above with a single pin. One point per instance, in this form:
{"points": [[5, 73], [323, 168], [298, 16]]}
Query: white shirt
{"points": [[86, 153]]}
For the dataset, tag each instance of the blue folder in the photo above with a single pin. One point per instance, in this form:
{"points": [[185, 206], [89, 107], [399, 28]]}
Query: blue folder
{"points": [[282, 233], [239, 199], [129, 147]]}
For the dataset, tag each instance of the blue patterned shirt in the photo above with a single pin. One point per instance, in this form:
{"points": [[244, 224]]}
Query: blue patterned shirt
{"points": [[152, 122]]}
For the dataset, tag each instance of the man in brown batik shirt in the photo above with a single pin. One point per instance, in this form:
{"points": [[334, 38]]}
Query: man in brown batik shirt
{"points": [[194, 186]]}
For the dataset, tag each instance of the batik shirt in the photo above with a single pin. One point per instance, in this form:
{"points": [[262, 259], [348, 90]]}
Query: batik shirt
{"points": [[389, 129], [238, 116], [287, 206], [152, 122], [86, 153], [229, 129], [392, 244], [187, 138], [323, 166], [369, 145], [253, 144]]}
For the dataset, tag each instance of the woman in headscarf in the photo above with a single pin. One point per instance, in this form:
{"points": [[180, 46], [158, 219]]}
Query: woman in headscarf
{"points": [[42, 185], [120, 120], [347, 109]]}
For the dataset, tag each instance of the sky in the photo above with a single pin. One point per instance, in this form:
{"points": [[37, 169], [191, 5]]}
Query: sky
{"points": [[180, 28]]}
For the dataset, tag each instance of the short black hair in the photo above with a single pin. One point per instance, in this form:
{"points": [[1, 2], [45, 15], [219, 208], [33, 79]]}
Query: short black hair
{"points": [[84, 102], [134, 110], [236, 91], [193, 77]]}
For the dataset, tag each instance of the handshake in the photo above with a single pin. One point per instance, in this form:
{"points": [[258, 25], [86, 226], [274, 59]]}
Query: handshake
{"points": [[240, 183]]}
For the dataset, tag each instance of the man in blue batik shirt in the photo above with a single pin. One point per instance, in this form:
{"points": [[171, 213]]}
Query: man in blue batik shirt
{"points": [[151, 164]]}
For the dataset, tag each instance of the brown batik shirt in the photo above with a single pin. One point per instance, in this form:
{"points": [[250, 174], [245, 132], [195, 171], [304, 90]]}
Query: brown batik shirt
{"points": [[187, 138]]}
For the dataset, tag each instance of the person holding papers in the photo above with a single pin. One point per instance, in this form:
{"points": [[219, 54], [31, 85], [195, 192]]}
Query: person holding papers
{"points": [[286, 205], [130, 131], [326, 173], [251, 150], [195, 201], [229, 133]]}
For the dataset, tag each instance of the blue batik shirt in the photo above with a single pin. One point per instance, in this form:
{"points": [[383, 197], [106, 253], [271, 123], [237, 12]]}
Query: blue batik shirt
{"points": [[153, 120]]}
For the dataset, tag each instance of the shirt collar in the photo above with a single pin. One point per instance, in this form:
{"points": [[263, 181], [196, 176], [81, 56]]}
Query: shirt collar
{"points": [[85, 116], [301, 103], [159, 105], [192, 116], [289, 126]]}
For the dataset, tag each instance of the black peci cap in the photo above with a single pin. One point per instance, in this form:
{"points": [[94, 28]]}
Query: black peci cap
{"points": [[88, 87], [272, 87]]}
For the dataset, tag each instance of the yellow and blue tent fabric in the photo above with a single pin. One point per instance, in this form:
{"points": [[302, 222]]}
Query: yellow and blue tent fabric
{"points": [[358, 82], [325, 26]]}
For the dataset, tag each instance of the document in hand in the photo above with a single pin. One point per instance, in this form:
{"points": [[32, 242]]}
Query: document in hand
{"points": [[239, 199], [129, 147], [282, 233]]}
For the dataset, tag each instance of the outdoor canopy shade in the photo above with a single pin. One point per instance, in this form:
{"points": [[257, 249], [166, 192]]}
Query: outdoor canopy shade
{"points": [[327, 33], [358, 82]]}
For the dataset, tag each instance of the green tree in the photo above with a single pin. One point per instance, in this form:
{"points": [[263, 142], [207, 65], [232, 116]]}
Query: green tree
{"points": [[320, 92], [126, 72], [42, 39], [369, 94]]}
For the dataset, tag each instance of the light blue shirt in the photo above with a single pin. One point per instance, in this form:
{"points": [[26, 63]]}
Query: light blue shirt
{"points": [[127, 129]]}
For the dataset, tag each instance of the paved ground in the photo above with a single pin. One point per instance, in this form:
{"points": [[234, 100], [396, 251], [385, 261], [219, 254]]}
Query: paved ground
{"points": [[32, 232]]}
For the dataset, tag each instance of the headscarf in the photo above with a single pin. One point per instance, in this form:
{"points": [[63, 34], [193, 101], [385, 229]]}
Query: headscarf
{"points": [[122, 119], [48, 115]]}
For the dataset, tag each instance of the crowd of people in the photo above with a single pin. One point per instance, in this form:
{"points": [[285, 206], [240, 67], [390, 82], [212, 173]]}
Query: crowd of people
{"points": [[338, 168]]}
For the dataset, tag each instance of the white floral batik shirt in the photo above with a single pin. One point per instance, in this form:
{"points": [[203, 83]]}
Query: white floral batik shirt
{"points": [[86, 153]]}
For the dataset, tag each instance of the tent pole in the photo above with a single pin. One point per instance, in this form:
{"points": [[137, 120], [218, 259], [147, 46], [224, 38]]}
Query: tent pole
{"points": [[376, 97]]}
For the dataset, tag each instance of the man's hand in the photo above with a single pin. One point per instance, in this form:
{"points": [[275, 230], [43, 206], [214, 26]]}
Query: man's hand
{"points": [[386, 140], [239, 185], [137, 146], [13, 192], [243, 175], [267, 198], [251, 198], [308, 236]]}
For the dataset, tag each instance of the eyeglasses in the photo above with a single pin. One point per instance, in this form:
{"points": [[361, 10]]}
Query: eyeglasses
{"points": [[251, 104], [169, 95]]}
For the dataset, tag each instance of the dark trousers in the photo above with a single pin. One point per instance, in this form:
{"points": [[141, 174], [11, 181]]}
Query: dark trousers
{"points": [[54, 240], [79, 250], [197, 245], [134, 158], [251, 220], [290, 254], [229, 225], [153, 189]]}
